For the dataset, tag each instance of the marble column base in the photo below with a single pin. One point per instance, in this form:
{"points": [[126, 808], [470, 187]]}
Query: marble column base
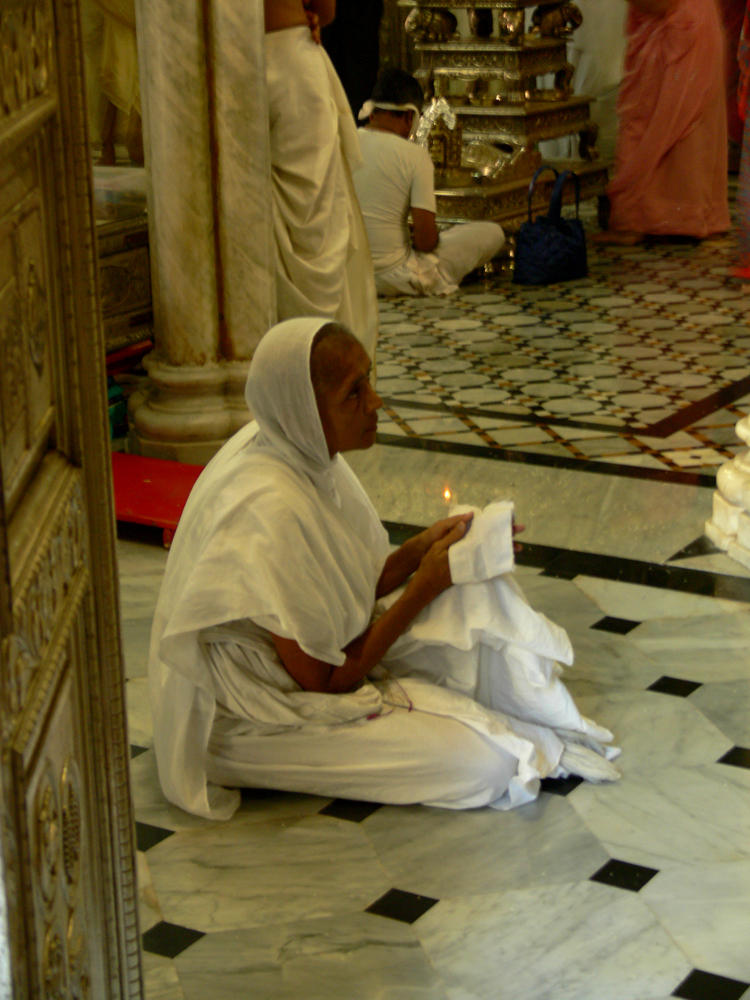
{"points": [[729, 524], [186, 413]]}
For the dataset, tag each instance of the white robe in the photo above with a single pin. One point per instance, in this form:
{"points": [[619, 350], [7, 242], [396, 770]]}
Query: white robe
{"points": [[276, 537], [323, 265]]}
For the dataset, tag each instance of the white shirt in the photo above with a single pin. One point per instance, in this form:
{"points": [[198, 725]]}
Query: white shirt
{"points": [[396, 175]]}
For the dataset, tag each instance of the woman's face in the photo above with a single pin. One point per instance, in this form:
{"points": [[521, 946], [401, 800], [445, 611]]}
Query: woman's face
{"points": [[349, 407]]}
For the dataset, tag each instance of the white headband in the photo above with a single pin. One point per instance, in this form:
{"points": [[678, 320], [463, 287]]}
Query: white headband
{"points": [[369, 106]]}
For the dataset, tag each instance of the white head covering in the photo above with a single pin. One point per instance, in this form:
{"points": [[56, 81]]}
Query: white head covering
{"points": [[369, 106], [280, 395]]}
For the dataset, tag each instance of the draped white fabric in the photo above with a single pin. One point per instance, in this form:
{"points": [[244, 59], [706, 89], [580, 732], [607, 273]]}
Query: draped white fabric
{"points": [[323, 265]]}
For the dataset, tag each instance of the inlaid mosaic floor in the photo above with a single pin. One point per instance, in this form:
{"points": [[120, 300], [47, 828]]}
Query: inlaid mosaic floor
{"points": [[644, 364]]}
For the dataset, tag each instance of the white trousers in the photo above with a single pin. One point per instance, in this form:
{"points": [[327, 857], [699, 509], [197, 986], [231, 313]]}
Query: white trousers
{"points": [[461, 248], [401, 757]]}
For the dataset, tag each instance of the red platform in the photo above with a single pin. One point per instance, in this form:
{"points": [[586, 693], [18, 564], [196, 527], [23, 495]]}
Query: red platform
{"points": [[151, 490]]}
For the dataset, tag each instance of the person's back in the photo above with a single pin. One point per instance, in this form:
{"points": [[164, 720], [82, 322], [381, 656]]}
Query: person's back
{"points": [[395, 176], [397, 184]]}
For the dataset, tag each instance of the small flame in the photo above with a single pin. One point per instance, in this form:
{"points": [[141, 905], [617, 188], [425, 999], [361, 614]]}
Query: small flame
{"points": [[447, 495]]}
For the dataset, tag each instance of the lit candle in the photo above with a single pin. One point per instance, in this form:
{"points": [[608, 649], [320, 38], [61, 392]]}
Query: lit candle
{"points": [[448, 496]]}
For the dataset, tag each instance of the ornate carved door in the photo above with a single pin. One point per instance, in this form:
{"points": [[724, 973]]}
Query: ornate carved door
{"points": [[67, 873]]}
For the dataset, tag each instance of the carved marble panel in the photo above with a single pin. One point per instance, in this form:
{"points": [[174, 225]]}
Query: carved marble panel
{"points": [[494, 59], [26, 403], [524, 123], [508, 203], [66, 833], [42, 578], [60, 859], [27, 68]]}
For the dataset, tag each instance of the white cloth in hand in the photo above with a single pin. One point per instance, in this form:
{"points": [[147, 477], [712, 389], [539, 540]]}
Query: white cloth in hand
{"points": [[486, 550]]}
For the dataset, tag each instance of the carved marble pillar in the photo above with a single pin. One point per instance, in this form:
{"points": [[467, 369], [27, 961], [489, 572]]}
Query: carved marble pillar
{"points": [[729, 525], [207, 156]]}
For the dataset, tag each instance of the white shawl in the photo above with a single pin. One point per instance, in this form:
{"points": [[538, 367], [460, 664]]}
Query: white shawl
{"points": [[270, 517]]}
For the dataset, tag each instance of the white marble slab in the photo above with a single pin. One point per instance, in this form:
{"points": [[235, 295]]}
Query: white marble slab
{"points": [[243, 873], [356, 955], [728, 707], [561, 600], [674, 816], [139, 591], [134, 558], [581, 941], [716, 562], [617, 517], [604, 660], [136, 636], [149, 911], [706, 648], [160, 979], [656, 731], [706, 910], [639, 603], [445, 854], [140, 724]]}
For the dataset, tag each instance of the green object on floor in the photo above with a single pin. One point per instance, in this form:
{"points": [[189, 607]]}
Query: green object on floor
{"points": [[118, 410]]}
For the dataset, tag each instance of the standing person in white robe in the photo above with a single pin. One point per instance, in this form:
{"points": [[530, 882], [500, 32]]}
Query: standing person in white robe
{"points": [[291, 650], [323, 265]]}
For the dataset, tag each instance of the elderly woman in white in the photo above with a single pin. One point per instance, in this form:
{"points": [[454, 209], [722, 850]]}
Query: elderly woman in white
{"points": [[291, 649]]}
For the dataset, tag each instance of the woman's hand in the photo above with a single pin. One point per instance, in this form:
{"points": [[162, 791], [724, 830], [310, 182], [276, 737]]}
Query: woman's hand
{"points": [[433, 574], [439, 530], [406, 560]]}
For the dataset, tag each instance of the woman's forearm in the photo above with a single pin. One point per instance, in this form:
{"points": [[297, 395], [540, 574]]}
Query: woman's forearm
{"points": [[432, 577], [362, 654], [399, 565], [368, 649]]}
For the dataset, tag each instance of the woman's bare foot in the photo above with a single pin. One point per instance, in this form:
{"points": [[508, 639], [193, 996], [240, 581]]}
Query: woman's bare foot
{"points": [[618, 238]]}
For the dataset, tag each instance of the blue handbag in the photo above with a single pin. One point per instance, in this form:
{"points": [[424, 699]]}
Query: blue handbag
{"points": [[551, 248]]}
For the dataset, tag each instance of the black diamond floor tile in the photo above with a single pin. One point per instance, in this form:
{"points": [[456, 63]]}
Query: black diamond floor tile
{"points": [[400, 905], [148, 836], [674, 685], [702, 546], [624, 875], [350, 809], [561, 571], [136, 751], [169, 940], [707, 986], [737, 757], [621, 626], [561, 786]]}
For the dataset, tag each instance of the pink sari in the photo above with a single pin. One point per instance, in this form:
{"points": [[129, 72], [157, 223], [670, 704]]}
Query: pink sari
{"points": [[671, 159]]}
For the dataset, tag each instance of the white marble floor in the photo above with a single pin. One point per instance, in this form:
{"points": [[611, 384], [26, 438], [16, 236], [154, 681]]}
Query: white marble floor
{"points": [[633, 891]]}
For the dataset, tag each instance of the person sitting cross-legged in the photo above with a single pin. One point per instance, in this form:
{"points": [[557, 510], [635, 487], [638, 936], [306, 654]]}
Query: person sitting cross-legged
{"points": [[396, 184], [292, 649]]}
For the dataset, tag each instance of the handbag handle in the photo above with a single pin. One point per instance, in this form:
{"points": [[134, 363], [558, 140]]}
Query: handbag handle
{"points": [[540, 170], [555, 201]]}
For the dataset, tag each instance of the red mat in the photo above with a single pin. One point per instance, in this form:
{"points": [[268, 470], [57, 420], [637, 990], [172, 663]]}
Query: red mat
{"points": [[151, 490]]}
